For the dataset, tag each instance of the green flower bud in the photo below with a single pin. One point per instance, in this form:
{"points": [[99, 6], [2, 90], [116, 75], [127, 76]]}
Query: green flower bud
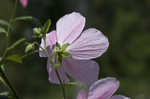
{"points": [[29, 47], [37, 31]]}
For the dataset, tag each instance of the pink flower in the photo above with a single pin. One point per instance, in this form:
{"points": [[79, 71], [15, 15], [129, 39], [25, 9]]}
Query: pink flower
{"points": [[83, 46], [102, 89], [85, 71], [24, 3]]}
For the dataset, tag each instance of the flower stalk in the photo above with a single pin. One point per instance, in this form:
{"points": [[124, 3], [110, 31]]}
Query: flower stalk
{"points": [[61, 84], [57, 73]]}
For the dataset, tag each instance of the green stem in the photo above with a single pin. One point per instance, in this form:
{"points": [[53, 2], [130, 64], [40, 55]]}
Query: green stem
{"points": [[3, 57], [26, 55], [57, 74], [61, 83], [11, 21], [5, 53], [8, 84]]}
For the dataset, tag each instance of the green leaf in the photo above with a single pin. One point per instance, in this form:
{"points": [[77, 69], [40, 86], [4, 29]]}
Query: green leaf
{"points": [[2, 30], [2, 67], [3, 81], [16, 43], [5, 93], [15, 58], [74, 83], [30, 19], [24, 18], [3, 22], [46, 27]]}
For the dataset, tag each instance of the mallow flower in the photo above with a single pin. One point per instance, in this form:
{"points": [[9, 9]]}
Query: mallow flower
{"points": [[24, 3], [102, 89], [68, 38]]}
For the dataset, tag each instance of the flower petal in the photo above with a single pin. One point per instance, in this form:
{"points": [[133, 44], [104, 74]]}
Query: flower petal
{"points": [[85, 71], [91, 44], [81, 95], [119, 97], [52, 74], [41, 54], [24, 3], [103, 89], [69, 27], [51, 40]]}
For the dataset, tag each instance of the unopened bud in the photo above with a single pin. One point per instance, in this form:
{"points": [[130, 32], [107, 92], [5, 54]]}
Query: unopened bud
{"points": [[29, 47], [37, 30]]}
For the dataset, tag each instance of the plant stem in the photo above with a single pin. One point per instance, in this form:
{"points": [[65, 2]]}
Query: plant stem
{"points": [[5, 53], [8, 84], [51, 62], [61, 83]]}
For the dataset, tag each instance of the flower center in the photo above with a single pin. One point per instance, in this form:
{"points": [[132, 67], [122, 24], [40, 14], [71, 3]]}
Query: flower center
{"points": [[60, 52]]}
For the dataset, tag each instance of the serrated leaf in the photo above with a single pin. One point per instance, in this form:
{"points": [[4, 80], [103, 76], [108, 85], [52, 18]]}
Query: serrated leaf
{"points": [[2, 30], [15, 58], [16, 43], [46, 26]]}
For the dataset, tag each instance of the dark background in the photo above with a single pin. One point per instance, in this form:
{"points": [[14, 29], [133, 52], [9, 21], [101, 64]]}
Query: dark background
{"points": [[125, 22]]}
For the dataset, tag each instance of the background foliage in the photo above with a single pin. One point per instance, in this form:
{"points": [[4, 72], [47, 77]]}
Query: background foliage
{"points": [[124, 22]]}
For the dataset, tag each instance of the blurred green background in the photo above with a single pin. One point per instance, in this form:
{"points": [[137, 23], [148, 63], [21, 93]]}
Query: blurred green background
{"points": [[125, 22]]}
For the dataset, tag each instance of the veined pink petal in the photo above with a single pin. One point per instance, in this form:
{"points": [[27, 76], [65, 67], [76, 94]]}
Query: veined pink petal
{"points": [[24, 3], [52, 74], [81, 95], [69, 27], [51, 40], [103, 89], [91, 44], [85, 71], [119, 97]]}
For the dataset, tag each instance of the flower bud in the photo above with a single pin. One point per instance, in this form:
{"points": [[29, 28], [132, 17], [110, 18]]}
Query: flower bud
{"points": [[29, 47], [37, 30]]}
